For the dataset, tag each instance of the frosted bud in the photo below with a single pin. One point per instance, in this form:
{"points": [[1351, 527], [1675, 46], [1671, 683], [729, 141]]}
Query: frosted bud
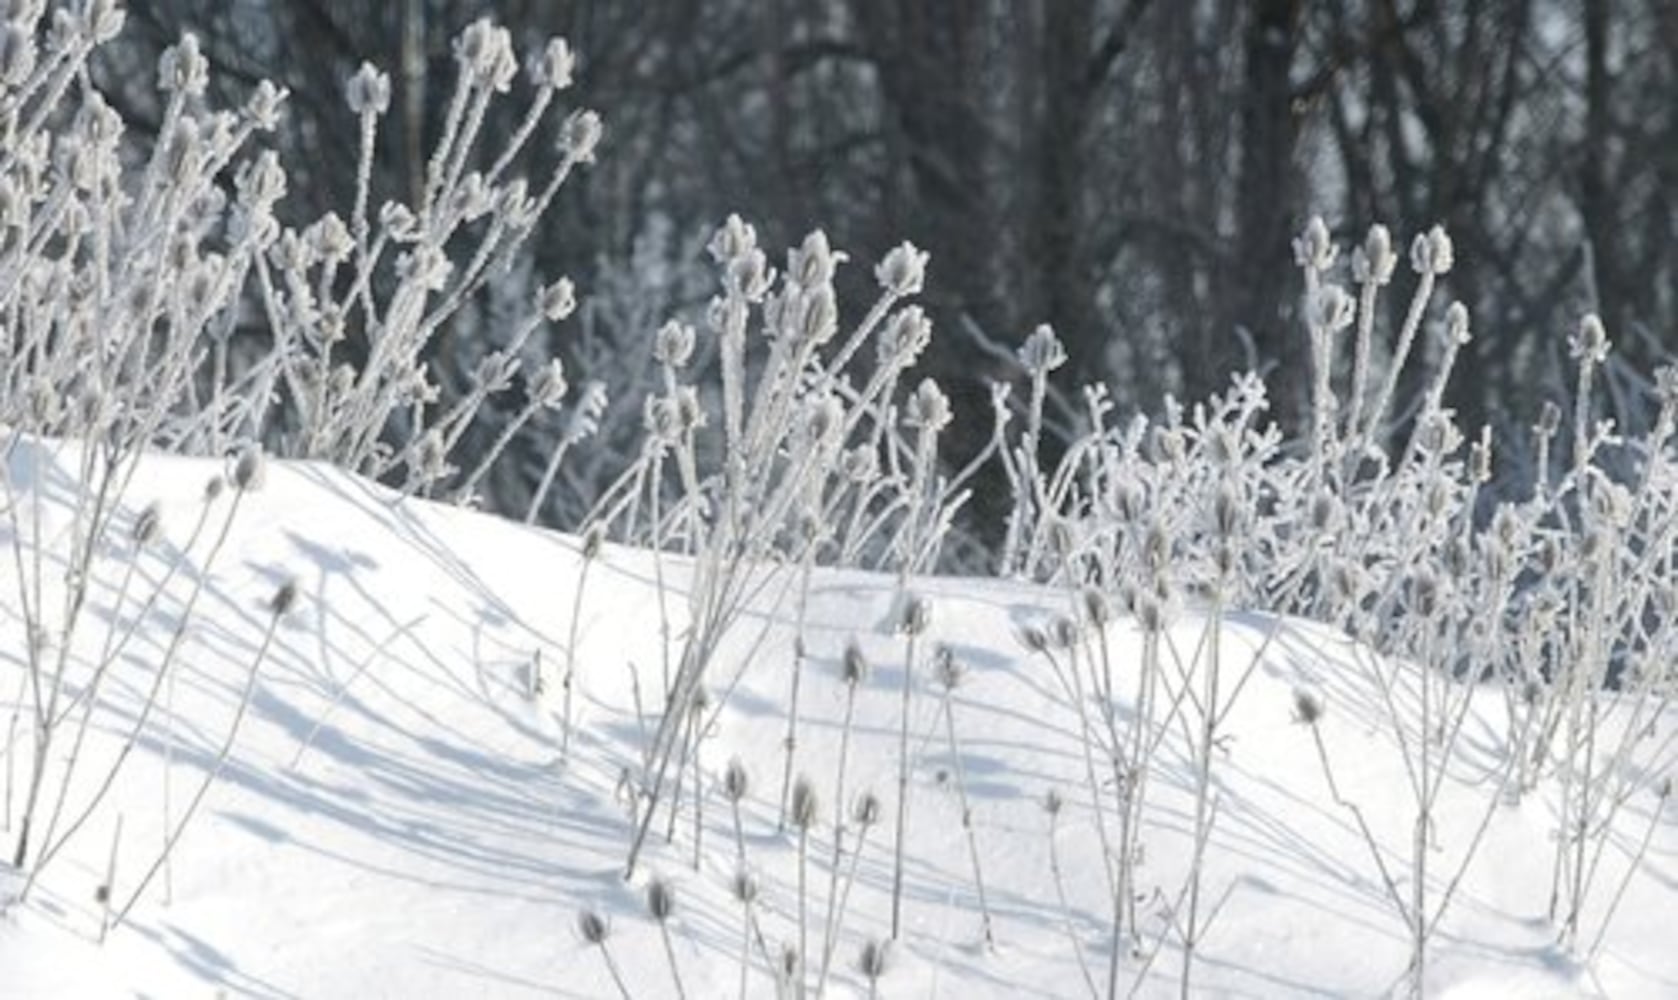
{"points": [[263, 182], [518, 207], [549, 386], [914, 615], [398, 220], [1431, 252], [262, 108], [1042, 351], [291, 252], [1456, 324], [558, 300], [182, 68], [473, 197], [904, 337], [329, 238], [662, 419], [819, 319], [903, 270], [553, 66], [1590, 345], [813, 262], [580, 134], [1313, 249], [860, 464], [748, 275], [823, 417], [687, 404], [733, 239], [479, 50], [426, 266], [1331, 309], [1373, 263], [928, 408], [673, 344], [368, 92]]}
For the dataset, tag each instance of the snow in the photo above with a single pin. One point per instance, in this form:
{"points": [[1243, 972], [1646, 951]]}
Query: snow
{"points": [[427, 842]]}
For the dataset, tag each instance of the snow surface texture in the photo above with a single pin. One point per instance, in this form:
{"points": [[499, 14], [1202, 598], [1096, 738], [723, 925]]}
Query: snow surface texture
{"points": [[393, 821]]}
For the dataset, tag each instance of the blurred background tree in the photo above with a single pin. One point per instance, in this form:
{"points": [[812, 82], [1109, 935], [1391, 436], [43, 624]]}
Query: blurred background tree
{"points": [[1128, 171]]}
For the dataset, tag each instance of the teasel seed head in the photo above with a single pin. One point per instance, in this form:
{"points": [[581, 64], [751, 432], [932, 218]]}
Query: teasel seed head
{"points": [[805, 806], [661, 899], [867, 810], [853, 665], [593, 927]]}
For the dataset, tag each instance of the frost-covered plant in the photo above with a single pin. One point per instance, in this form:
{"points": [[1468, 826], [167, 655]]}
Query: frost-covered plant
{"points": [[797, 446], [1378, 519], [128, 284]]}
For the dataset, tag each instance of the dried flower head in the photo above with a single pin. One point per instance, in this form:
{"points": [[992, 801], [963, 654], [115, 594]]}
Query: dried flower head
{"points": [[744, 887], [867, 809], [1432, 253], [1314, 249], [554, 65], [579, 136], [732, 240], [874, 958], [368, 92], [1374, 262], [249, 469], [853, 665], [903, 338], [148, 525], [1032, 638], [903, 271], [1042, 351], [947, 668], [548, 388], [1307, 706], [1590, 344], [804, 803], [928, 408], [593, 927], [183, 69], [673, 345], [735, 781], [812, 263], [558, 300], [284, 599], [661, 899], [914, 614]]}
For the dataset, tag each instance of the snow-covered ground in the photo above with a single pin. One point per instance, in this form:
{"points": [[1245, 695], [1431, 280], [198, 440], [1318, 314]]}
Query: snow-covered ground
{"points": [[393, 820]]}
